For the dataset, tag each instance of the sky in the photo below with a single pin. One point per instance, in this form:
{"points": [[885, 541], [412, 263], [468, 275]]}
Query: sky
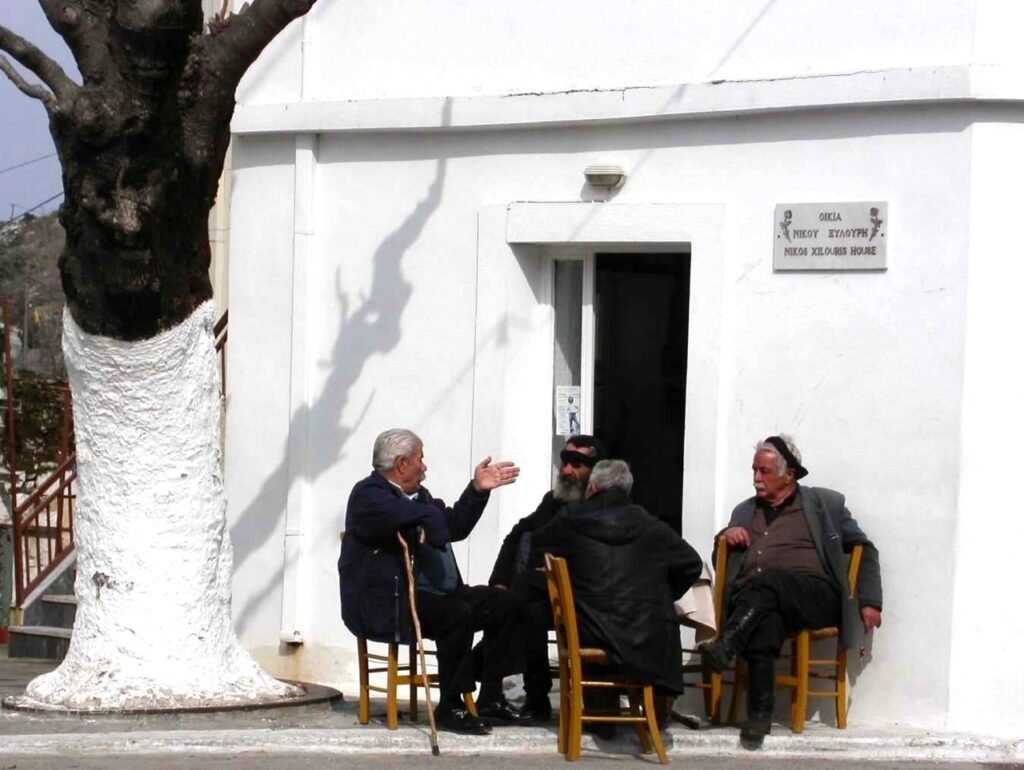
{"points": [[24, 135]]}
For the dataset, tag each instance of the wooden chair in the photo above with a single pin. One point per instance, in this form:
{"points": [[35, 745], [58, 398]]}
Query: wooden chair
{"points": [[573, 661], [710, 681], [803, 666], [399, 674]]}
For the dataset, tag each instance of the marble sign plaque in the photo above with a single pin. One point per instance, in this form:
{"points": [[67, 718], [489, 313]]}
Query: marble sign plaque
{"points": [[830, 236]]}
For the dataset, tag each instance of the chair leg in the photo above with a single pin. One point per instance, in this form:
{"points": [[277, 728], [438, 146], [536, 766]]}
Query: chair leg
{"points": [[802, 658], [714, 696], [414, 706], [635, 710], [794, 672], [467, 698], [841, 690], [392, 686], [564, 707], [575, 718], [652, 724], [364, 682]]}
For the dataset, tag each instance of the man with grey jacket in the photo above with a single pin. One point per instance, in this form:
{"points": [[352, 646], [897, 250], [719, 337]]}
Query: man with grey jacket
{"points": [[787, 571]]}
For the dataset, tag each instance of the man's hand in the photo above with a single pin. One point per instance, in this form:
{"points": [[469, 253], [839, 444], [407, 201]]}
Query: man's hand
{"points": [[487, 477], [737, 537], [871, 616]]}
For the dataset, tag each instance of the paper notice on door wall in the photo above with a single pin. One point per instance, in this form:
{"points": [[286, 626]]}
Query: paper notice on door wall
{"points": [[567, 410]]}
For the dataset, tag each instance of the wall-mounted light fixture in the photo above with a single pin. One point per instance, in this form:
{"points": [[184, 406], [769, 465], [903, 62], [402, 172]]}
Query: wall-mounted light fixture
{"points": [[604, 176]]}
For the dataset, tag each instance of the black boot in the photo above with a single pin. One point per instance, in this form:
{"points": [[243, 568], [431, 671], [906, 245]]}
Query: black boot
{"points": [[760, 700], [757, 726], [718, 654]]}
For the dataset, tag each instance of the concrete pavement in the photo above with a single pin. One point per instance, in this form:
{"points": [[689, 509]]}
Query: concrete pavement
{"points": [[326, 728]]}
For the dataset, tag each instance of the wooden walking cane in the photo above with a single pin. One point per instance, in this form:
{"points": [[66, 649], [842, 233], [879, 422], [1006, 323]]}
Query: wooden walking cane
{"points": [[419, 643]]}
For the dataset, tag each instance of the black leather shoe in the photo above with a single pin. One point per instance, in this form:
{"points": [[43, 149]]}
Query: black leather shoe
{"points": [[537, 709], [503, 713], [754, 730], [459, 720]]}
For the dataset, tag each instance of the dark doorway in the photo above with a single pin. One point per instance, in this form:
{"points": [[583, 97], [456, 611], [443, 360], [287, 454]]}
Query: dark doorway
{"points": [[641, 304]]}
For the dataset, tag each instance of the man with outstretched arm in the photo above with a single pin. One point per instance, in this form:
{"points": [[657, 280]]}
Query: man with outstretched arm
{"points": [[787, 571], [374, 592]]}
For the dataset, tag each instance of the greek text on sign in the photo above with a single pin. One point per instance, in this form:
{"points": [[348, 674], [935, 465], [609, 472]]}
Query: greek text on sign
{"points": [[831, 236]]}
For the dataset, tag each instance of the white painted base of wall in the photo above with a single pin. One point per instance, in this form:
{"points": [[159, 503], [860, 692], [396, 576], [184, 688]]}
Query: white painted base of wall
{"points": [[153, 628]]}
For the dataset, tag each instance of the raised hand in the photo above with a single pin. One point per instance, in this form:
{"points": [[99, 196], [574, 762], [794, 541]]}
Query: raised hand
{"points": [[487, 476]]}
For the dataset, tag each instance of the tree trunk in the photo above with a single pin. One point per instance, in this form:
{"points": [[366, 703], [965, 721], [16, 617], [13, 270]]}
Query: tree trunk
{"points": [[142, 142], [153, 627]]}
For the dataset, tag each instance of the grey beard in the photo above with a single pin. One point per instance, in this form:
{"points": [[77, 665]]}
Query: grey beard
{"points": [[568, 490]]}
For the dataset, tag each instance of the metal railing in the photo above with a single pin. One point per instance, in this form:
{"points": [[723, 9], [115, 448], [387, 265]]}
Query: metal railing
{"points": [[44, 531]]}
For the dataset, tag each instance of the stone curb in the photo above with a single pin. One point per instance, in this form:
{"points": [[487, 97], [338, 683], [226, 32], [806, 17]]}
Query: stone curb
{"points": [[935, 747]]}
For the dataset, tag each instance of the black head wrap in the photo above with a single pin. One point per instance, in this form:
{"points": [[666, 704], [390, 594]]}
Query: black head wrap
{"points": [[589, 441], [783, 450]]}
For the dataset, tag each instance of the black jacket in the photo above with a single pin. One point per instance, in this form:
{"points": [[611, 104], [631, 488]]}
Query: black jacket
{"points": [[627, 568], [516, 551], [374, 588]]}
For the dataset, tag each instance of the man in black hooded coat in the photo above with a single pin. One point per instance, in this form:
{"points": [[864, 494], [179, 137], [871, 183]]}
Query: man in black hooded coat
{"points": [[627, 568]]}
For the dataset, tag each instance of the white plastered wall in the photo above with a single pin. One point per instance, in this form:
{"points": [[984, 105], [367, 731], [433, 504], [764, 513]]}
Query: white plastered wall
{"points": [[386, 49], [411, 307], [402, 292], [988, 629]]}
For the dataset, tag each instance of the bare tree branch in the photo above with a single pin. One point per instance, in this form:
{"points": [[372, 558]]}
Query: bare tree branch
{"points": [[35, 91], [37, 62], [85, 28], [235, 43]]}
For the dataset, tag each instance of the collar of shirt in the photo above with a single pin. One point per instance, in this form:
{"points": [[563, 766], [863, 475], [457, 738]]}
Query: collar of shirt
{"points": [[407, 495]]}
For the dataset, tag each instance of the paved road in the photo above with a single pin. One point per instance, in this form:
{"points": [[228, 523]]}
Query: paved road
{"points": [[251, 761]]}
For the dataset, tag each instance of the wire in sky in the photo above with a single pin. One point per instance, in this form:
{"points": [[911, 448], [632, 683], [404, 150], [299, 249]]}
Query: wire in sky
{"points": [[26, 163]]}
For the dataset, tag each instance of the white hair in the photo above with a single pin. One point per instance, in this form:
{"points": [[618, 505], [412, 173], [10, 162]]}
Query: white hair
{"points": [[783, 466], [612, 473], [392, 444]]}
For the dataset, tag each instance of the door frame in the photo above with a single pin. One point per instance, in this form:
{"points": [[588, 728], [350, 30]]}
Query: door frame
{"points": [[513, 377]]}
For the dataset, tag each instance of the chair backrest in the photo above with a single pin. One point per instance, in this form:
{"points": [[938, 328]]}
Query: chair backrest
{"points": [[563, 606], [721, 570], [854, 569]]}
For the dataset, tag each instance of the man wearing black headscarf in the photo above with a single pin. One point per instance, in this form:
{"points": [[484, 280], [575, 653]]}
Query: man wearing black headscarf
{"points": [[519, 568], [787, 571]]}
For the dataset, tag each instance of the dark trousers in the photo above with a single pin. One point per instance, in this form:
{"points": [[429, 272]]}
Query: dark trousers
{"points": [[531, 590], [451, 619], [788, 602]]}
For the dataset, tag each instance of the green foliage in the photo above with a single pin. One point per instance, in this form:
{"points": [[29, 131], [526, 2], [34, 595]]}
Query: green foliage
{"points": [[38, 419]]}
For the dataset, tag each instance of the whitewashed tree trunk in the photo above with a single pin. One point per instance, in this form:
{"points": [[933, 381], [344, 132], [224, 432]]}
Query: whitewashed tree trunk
{"points": [[153, 628]]}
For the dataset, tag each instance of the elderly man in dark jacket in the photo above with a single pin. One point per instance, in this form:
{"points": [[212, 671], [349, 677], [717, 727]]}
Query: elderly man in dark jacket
{"points": [[787, 571], [374, 590], [519, 568], [627, 568]]}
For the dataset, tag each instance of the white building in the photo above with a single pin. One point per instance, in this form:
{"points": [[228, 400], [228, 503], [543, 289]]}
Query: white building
{"points": [[414, 244]]}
